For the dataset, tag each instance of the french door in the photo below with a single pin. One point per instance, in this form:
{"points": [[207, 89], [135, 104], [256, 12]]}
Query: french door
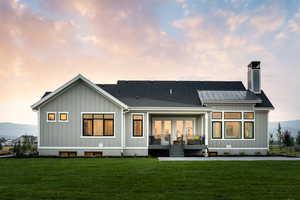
{"points": [[173, 130]]}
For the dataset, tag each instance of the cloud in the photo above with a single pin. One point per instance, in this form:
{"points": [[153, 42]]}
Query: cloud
{"points": [[45, 45], [293, 26]]}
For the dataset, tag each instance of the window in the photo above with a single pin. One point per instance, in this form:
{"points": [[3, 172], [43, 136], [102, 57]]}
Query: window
{"points": [[157, 128], [189, 129], [67, 154], [232, 115], [233, 130], [217, 115], [63, 117], [249, 130], [137, 125], [249, 115], [93, 154], [51, 117], [233, 125], [217, 130], [98, 124]]}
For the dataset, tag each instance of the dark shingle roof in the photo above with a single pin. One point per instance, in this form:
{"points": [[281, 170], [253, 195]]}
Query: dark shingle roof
{"points": [[184, 93]]}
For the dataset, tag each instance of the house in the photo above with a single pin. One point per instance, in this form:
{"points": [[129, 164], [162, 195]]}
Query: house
{"points": [[23, 139], [141, 118]]}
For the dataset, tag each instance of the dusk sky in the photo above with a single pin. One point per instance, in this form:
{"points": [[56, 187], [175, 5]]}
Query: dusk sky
{"points": [[44, 44]]}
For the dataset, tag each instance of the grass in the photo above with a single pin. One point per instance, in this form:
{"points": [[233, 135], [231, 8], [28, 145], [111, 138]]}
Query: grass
{"points": [[284, 151], [147, 178]]}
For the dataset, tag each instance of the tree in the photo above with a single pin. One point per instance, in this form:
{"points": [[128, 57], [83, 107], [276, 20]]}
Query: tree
{"points": [[271, 139], [287, 139], [2, 140], [279, 134], [298, 138]]}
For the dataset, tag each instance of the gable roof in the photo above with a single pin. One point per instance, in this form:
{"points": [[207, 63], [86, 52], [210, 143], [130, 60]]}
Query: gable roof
{"points": [[48, 95], [181, 93], [175, 93]]}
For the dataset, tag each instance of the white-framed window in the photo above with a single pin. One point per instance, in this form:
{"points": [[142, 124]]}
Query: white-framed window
{"points": [[137, 125], [51, 116], [233, 125], [63, 116], [97, 124]]}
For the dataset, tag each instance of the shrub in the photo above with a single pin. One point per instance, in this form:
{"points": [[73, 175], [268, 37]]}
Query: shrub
{"points": [[257, 153], [287, 139], [226, 153], [243, 154], [298, 138]]}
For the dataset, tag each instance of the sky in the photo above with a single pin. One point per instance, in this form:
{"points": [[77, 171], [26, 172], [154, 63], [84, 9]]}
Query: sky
{"points": [[44, 44]]}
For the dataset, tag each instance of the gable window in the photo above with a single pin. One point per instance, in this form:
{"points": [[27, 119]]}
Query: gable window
{"points": [[63, 116], [95, 124], [51, 117], [137, 125]]}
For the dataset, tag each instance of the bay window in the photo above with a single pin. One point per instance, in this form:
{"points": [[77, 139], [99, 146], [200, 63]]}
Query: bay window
{"points": [[98, 124]]}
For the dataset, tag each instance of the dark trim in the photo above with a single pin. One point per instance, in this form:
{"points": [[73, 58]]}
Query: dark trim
{"points": [[212, 133], [216, 118], [137, 120], [63, 114], [103, 124], [252, 130], [51, 113], [240, 130]]}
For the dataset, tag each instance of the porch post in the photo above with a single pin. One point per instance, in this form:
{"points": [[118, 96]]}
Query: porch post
{"points": [[206, 133]]}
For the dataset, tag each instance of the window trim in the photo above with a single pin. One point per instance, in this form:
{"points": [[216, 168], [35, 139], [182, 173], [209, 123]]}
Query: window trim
{"points": [[81, 125], [131, 125], [241, 130], [242, 120], [245, 131], [63, 113], [172, 119], [51, 120], [212, 130]]}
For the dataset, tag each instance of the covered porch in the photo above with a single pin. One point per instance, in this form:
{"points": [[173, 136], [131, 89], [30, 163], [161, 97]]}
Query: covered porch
{"points": [[177, 134]]}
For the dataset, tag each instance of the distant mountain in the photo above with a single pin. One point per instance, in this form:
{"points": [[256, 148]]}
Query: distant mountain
{"points": [[293, 126], [13, 130]]}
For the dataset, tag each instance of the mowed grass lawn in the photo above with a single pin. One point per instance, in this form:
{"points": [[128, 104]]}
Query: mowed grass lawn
{"points": [[147, 178]]}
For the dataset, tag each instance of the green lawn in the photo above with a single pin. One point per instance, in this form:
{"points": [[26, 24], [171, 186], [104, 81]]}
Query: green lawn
{"points": [[147, 178]]}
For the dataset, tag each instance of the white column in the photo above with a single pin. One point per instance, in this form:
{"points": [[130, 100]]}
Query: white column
{"points": [[147, 131], [206, 128], [122, 131], [206, 133]]}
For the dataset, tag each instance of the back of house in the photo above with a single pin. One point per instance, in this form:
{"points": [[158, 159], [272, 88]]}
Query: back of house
{"points": [[159, 118]]}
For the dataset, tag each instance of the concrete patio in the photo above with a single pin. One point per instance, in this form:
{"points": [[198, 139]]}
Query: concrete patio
{"points": [[254, 158]]}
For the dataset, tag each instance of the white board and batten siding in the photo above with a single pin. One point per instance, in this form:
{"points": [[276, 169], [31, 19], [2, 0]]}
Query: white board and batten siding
{"points": [[76, 99], [251, 146]]}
